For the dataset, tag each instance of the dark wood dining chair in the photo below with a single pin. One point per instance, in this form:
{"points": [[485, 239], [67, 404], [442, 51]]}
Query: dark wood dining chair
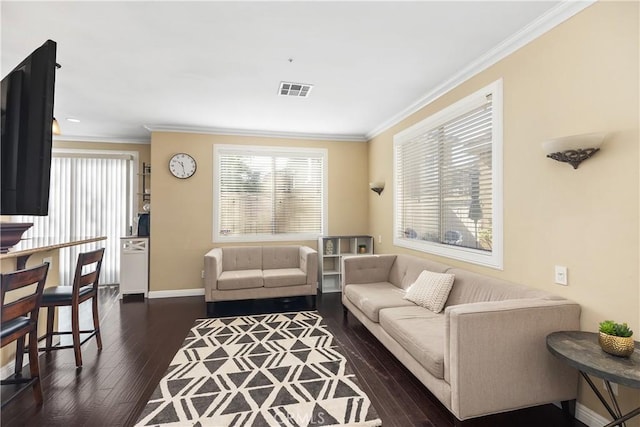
{"points": [[84, 288], [20, 318]]}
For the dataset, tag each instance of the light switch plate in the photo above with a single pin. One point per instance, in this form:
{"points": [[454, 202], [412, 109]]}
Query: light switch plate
{"points": [[561, 275]]}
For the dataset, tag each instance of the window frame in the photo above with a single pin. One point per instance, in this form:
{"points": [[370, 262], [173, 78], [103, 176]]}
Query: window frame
{"points": [[493, 258], [267, 151]]}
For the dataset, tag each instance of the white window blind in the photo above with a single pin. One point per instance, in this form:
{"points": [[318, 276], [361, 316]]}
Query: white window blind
{"points": [[268, 193], [89, 196], [448, 181]]}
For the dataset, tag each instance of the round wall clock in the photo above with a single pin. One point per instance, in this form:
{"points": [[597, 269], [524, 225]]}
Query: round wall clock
{"points": [[182, 165]]}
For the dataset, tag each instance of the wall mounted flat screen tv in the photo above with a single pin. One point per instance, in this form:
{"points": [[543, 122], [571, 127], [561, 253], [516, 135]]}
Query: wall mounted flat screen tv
{"points": [[27, 117]]}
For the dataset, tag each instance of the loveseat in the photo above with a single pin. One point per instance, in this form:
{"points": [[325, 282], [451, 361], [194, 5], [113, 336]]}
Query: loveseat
{"points": [[484, 353], [253, 272]]}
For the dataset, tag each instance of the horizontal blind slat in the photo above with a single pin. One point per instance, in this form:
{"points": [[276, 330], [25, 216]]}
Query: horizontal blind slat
{"points": [[444, 185], [270, 194]]}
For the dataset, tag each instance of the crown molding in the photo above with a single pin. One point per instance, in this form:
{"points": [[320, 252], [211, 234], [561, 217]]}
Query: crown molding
{"points": [[107, 139], [257, 133], [552, 18]]}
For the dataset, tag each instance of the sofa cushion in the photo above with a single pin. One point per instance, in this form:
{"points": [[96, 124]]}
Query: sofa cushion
{"points": [[473, 287], [370, 298], [284, 277], [430, 290], [280, 257], [420, 332], [240, 279], [241, 258], [368, 269], [407, 268]]}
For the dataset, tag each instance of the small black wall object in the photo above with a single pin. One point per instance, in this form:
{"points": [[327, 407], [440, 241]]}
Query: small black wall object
{"points": [[144, 225]]}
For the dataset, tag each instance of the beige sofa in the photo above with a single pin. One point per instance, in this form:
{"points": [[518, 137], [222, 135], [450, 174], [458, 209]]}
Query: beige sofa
{"points": [[252, 272], [485, 353]]}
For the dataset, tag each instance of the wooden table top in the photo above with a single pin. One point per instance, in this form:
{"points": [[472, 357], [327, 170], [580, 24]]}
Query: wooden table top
{"points": [[33, 245]]}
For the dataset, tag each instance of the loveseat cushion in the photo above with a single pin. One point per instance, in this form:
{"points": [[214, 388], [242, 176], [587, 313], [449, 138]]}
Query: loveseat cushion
{"points": [[420, 332], [280, 257], [284, 277], [370, 298], [241, 258], [240, 279]]}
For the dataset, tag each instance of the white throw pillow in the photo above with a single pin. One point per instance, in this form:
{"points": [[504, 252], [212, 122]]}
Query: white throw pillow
{"points": [[431, 290]]}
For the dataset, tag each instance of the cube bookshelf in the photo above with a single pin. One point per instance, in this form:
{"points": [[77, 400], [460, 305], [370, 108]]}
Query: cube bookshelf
{"points": [[331, 251]]}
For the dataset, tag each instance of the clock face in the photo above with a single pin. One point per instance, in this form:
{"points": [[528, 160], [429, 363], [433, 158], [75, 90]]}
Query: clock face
{"points": [[182, 165]]}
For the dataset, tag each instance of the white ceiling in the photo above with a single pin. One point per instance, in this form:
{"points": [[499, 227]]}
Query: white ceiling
{"points": [[216, 66]]}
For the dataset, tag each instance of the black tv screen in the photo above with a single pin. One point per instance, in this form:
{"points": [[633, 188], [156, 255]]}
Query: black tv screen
{"points": [[27, 117]]}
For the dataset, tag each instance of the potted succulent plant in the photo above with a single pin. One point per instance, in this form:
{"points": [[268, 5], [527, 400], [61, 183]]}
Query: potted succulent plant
{"points": [[616, 338]]}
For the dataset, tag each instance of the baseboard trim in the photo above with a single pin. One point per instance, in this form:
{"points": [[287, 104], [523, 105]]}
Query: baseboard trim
{"points": [[177, 293], [8, 370], [587, 416]]}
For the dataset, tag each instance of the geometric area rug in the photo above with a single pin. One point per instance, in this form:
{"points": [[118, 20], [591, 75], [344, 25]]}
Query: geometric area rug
{"points": [[280, 369]]}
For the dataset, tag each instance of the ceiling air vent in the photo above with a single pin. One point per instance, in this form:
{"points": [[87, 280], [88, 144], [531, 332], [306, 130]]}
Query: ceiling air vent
{"points": [[298, 90]]}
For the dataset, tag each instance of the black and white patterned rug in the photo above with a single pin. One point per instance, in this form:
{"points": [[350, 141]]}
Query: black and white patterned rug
{"points": [[267, 370]]}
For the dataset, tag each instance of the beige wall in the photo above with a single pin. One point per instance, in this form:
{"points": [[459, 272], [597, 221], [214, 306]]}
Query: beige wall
{"points": [[580, 77], [182, 209]]}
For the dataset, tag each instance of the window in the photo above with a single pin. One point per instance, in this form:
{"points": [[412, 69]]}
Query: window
{"points": [[448, 181], [269, 193], [91, 195]]}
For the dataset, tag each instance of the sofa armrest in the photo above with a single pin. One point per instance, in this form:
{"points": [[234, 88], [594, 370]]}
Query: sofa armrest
{"points": [[309, 264], [212, 270], [359, 269], [496, 356]]}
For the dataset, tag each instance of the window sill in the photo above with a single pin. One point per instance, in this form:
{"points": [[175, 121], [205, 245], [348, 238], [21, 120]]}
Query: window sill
{"points": [[474, 256]]}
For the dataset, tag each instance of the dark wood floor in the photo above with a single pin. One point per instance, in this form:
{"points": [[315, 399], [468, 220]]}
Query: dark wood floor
{"points": [[141, 337]]}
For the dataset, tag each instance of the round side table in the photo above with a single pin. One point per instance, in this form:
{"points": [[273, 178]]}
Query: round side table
{"points": [[582, 351]]}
